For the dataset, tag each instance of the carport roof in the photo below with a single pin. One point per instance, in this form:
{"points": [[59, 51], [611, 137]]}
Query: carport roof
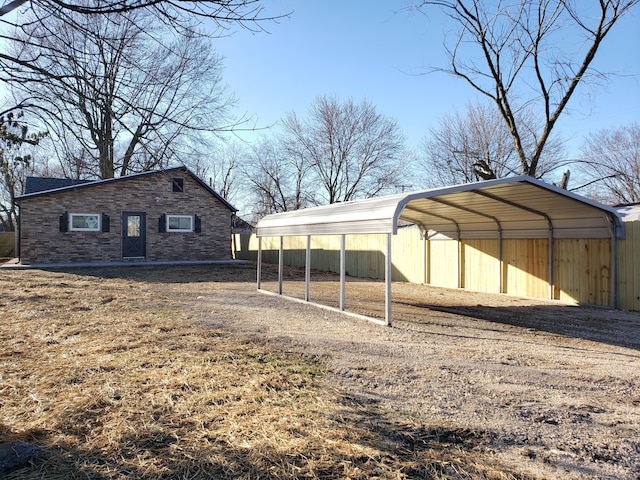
{"points": [[516, 207]]}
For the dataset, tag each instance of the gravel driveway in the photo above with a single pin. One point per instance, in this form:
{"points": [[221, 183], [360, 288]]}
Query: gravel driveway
{"points": [[552, 389]]}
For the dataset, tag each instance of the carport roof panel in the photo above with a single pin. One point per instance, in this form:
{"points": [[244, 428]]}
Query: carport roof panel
{"points": [[509, 203]]}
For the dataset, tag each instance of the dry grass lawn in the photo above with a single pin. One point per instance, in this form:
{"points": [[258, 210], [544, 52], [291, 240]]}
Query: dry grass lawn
{"points": [[123, 373], [114, 378]]}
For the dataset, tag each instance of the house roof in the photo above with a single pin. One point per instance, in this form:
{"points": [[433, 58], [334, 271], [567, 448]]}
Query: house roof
{"points": [[36, 187], [516, 207], [42, 184], [629, 212]]}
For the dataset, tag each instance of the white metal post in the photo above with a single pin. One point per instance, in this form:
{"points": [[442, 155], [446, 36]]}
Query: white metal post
{"points": [[387, 276], [500, 263], [423, 234], [342, 270], [280, 264], [259, 266], [551, 280], [307, 269]]}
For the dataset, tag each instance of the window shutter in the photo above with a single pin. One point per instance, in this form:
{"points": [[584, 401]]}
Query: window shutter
{"points": [[105, 222], [197, 224], [162, 223], [64, 222]]}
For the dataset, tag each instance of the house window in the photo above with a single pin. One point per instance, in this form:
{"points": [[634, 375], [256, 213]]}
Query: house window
{"points": [[177, 185], [179, 223], [84, 222]]}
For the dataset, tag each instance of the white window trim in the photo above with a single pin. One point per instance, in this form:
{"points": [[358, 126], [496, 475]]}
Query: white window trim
{"points": [[97, 228], [180, 230]]}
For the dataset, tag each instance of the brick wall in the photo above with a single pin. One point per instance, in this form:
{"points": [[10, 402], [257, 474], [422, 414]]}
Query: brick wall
{"points": [[43, 242]]}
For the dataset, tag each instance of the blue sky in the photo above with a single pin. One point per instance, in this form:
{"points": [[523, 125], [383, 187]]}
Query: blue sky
{"points": [[374, 50]]}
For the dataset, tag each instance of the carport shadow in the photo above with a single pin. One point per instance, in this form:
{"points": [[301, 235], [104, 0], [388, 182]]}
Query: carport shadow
{"points": [[613, 327]]}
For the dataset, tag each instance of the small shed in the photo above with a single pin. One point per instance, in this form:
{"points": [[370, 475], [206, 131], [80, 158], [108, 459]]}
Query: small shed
{"points": [[503, 210], [165, 215]]}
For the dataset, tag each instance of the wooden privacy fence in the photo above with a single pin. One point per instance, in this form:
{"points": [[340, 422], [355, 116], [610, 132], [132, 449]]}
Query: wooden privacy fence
{"points": [[7, 244], [581, 268]]}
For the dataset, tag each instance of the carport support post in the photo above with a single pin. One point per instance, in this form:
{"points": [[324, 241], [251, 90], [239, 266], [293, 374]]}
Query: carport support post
{"points": [[342, 269], [307, 268], [551, 280], [259, 266], [387, 279], [280, 264], [425, 246]]}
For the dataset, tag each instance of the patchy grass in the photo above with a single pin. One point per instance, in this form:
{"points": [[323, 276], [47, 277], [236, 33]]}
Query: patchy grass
{"points": [[115, 380]]}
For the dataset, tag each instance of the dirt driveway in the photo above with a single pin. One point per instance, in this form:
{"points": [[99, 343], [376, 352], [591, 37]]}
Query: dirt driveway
{"points": [[551, 390]]}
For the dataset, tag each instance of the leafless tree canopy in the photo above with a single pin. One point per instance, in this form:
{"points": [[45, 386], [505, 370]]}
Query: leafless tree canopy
{"points": [[340, 151], [18, 18], [179, 14], [15, 160], [278, 178], [353, 151], [528, 55], [476, 145], [120, 94], [613, 159]]}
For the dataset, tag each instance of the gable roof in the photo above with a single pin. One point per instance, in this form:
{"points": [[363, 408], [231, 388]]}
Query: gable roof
{"points": [[43, 184], [515, 207], [37, 187]]}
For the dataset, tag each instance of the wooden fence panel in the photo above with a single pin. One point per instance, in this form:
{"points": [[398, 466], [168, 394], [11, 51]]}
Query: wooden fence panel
{"points": [[365, 256], [582, 270], [7, 244], [481, 265], [526, 267], [443, 263], [407, 255], [628, 268], [581, 267]]}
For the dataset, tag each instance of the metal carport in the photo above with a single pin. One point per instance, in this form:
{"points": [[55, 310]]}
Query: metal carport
{"points": [[517, 207]]}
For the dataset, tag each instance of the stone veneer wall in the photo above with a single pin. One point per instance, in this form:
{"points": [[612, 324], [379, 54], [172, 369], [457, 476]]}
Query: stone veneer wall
{"points": [[42, 242]]}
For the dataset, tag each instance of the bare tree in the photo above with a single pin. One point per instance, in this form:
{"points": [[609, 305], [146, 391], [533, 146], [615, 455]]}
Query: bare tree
{"points": [[14, 163], [121, 92], [278, 178], [476, 145], [613, 158], [353, 151], [177, 15], [224, 169], [509, 51]]}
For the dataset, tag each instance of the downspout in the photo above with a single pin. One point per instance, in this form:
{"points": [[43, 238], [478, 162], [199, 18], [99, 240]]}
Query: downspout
{"points": [[17, 237]]}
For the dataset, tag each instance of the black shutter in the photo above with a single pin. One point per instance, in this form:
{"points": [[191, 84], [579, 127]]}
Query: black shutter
{"points": [[162, 223], [197, 224], [64, 222], [105, 222]]}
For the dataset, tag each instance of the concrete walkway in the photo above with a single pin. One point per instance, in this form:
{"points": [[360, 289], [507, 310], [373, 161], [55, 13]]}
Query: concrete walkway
{"points": [[14, 263]]}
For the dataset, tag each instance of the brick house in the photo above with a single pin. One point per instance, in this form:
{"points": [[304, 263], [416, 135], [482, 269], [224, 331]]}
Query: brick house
{"points": [[168, 215]]}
